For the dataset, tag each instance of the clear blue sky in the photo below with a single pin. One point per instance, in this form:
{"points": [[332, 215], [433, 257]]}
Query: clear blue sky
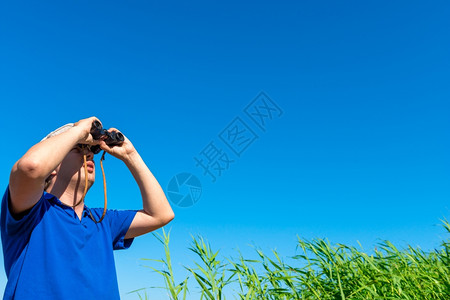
{"points": [[360, 153]]}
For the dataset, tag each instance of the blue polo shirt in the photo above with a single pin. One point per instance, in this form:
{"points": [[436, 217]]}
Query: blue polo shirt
{"points": [[51, 254]]}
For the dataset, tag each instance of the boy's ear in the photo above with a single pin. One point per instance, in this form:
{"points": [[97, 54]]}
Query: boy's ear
{"points": [[49, 179]]}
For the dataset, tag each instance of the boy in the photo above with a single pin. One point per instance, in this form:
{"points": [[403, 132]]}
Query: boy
{"points": [[54, 246]]}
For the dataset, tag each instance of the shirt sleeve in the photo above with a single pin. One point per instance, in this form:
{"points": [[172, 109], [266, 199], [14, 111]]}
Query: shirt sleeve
{"points": [[120, 221], [25, 222]]}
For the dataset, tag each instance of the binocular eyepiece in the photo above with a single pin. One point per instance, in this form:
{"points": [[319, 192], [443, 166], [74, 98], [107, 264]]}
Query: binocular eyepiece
{"points": [[112, 138]]}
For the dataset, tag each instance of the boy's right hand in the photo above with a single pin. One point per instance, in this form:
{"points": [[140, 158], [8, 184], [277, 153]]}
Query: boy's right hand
{"points": [[86, 125]]}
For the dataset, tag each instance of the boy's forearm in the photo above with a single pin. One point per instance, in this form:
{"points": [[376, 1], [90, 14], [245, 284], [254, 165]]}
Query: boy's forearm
{"points": [[41, 159], [154, 200]]}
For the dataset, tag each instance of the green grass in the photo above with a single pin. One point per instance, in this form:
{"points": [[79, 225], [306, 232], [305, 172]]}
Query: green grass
{"points": [[320, 271]]}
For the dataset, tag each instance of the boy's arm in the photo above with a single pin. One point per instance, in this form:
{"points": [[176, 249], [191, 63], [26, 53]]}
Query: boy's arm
{"points": [[28, 175], [156, 211]]}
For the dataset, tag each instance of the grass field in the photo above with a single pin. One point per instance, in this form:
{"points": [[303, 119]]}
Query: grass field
{"points": [[321, 270]]}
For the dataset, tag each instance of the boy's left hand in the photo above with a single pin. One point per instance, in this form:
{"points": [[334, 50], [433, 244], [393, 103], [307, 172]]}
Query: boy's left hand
{"points": [[122, 151]]}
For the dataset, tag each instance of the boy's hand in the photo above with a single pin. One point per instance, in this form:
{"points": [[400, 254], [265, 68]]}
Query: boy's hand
{"points": [[85, 125], [122, 151]]}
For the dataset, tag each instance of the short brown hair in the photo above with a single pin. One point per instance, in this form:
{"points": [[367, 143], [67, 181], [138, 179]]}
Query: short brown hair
{"points": [[48, 180]]}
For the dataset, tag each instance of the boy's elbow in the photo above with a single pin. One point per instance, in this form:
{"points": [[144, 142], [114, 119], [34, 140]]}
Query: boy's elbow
{"points": [[29, 167], [168, 218]]}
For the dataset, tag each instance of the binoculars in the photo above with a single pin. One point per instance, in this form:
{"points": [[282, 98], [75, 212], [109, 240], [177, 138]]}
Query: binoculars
{"points": [[112, 138]]}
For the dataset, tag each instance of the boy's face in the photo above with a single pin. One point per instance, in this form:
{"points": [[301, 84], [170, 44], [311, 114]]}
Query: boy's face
{"points": [[71, 168]]}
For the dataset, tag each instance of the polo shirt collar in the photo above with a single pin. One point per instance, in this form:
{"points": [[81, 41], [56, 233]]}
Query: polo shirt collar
{"points": [[68, 209]]}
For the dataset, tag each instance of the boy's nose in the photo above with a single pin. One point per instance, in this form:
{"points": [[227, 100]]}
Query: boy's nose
{"points": [[88, 152]]}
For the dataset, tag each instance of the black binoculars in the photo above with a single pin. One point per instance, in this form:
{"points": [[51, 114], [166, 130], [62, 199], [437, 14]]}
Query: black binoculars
{"points": [[112, 138]]}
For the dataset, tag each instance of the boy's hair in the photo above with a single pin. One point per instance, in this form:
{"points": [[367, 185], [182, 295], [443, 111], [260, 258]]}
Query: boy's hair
{"points": [[47, 182]]}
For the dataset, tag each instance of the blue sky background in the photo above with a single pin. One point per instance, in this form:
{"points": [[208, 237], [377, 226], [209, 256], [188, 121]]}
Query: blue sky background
{"points": [[360, 152]]}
